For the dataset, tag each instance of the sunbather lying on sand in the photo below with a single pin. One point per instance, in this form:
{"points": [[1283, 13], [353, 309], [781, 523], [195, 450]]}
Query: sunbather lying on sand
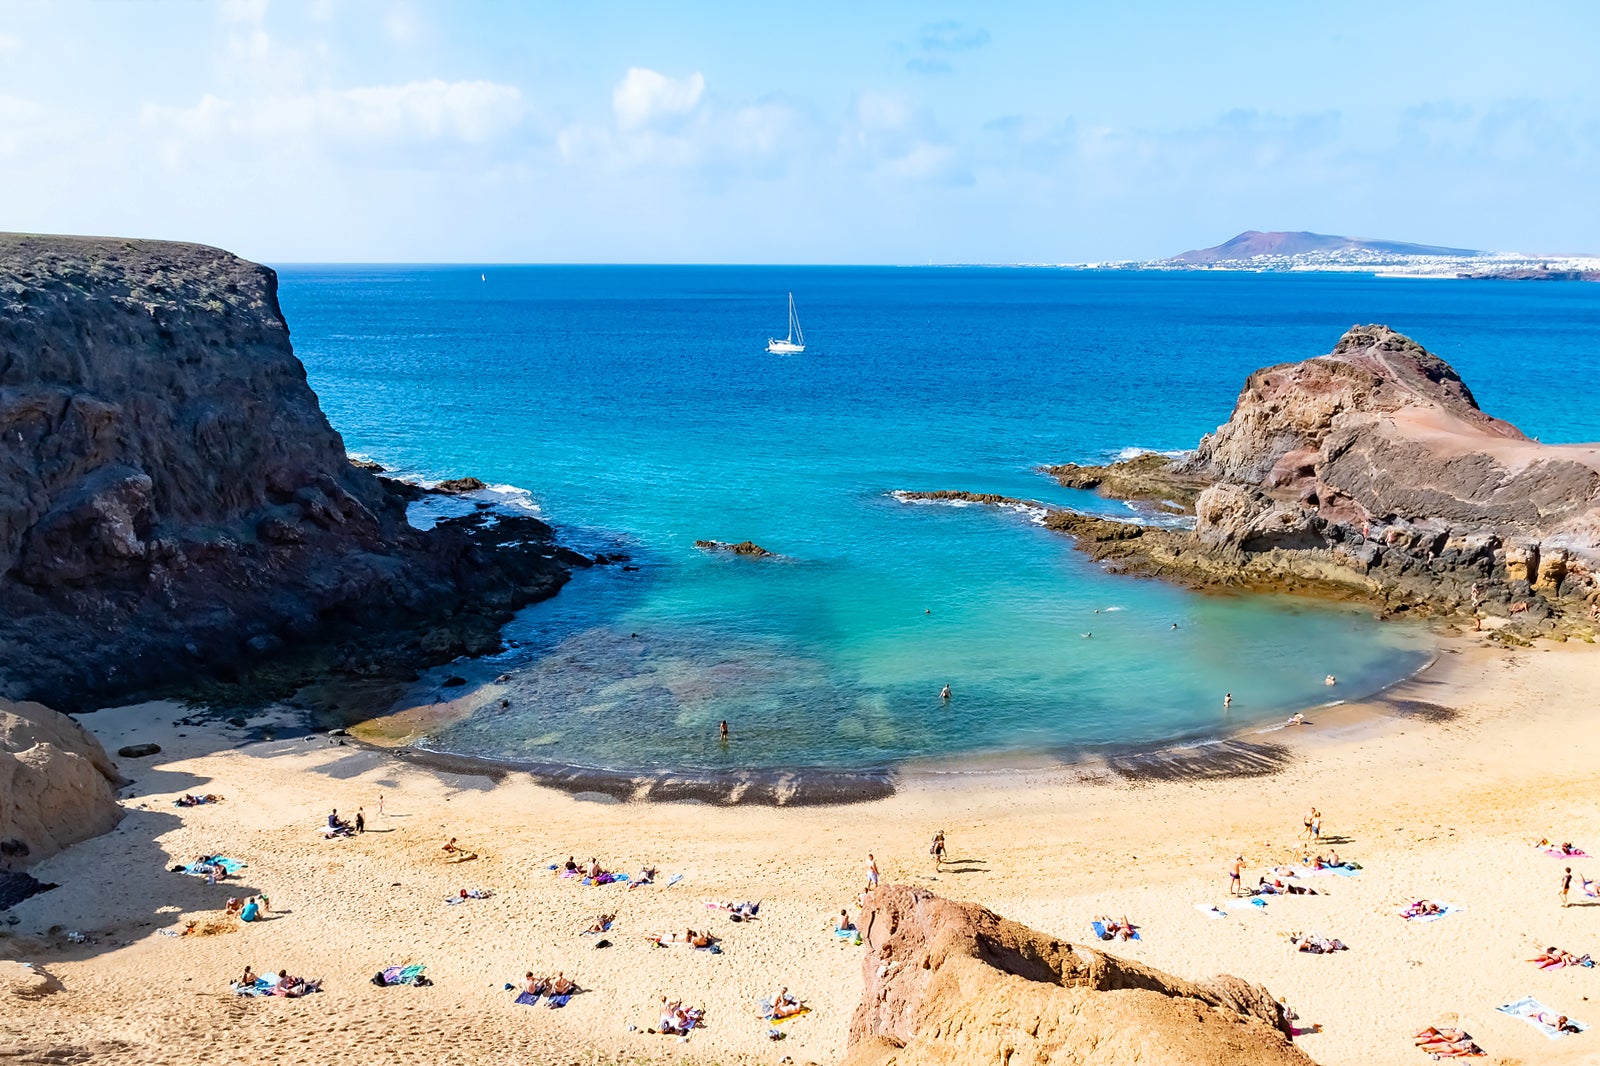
{"points": [[744, 910], [1553, 958], [1422, 907], [195, 801], [1447, 1043], [1558, 1022], [601, 924], [1278, 888], [690, 937], [1114, 929], [647, 876]]}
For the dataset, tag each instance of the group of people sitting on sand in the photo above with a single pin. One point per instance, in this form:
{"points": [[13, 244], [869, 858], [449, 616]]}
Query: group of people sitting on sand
{"points": [[340, 827], [248, 910], [1447, 1043], [559, 985], [1553, 958], [743, 911], [676, 1019], [592, 871], [1317, 945], [283, 984], [195, 801], [1115, 929]]}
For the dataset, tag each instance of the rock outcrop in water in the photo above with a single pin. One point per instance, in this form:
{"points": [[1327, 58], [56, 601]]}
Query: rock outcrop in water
{"points": [[953, 983], [57, 786], [174, 504], [1368, 473]]}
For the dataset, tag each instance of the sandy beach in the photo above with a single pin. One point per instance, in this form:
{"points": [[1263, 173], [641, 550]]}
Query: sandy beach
{"points": [[1438, 791]]}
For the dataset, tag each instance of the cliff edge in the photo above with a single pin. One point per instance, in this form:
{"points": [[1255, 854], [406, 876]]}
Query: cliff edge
{"points": [[950, 982], [174, 504], [57, 786]]}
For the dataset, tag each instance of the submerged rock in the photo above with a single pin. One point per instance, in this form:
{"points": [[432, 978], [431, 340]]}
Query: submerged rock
{"points": [[954, 983], [744, 547]]}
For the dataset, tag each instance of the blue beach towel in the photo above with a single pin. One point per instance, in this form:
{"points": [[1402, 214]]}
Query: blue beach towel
{"points": [[1445, 910], [527, 999], [1527, 1007], [232, 866], [674, 879], [558, 1001]]}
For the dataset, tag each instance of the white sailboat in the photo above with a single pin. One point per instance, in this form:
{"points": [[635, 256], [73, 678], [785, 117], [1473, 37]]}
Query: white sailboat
{"points": [[796, 341]]}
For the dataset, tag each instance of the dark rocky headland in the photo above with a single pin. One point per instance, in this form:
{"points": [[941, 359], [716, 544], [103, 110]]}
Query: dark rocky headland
{"points": [[1368, 474], [175, 508]]}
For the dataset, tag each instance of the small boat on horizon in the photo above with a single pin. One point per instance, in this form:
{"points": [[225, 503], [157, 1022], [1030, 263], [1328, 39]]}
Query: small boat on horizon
{"points": [[789, 345]]}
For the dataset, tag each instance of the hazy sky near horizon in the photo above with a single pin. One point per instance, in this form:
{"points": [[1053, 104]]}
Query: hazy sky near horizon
{"points": [[823, 132]]}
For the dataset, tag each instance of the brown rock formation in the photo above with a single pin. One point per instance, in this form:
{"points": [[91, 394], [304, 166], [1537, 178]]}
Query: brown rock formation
{"points": [[57, 786], [954, 983], [1368, 473], [173, 502], [744, 547]]}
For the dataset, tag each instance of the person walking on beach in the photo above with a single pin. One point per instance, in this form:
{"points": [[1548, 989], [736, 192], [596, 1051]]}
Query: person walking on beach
{"points": [[361, 821], [872, 872], [1306, 821], [1566, 885], [380, 803], [1234, 873], [937, 851], [1316, 824]]}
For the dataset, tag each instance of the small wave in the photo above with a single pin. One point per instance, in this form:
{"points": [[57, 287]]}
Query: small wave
{"points": [[510, 501], [1035, 513], [1132, 452]]}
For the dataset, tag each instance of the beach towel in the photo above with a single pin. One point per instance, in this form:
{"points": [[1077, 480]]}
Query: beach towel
{"points": [[559, 1001], [1100, 931], [203, 869], [1557, 853], [1445, 910], [401, 975], [674, 879], [262, 987], [527, 999], [1347, 870], [1254, 903], [604, 928], [846, 934], [1527, 1007], [1209, 911], [766, 1012]]}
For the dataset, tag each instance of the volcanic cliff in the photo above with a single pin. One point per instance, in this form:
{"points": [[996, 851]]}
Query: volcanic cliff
{"points": [[1369, 473], [173, 504], [955, 983]]}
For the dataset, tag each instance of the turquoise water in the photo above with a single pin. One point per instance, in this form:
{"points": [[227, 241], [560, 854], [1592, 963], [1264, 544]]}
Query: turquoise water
{"points": [[637, 407]]}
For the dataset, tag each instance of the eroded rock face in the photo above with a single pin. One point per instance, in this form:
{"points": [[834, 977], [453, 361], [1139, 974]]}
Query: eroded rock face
{"points": [[172, 500], [953, 983], [57, 786]]}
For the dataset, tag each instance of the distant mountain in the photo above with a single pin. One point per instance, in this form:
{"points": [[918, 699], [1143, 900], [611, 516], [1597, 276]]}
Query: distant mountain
{"points": [[1252, 243]]}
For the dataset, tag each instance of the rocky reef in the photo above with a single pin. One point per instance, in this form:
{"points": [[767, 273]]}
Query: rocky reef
{"points": [[744, 547], [950, 982], [1369, 473], [174, 505], [57, 786]]}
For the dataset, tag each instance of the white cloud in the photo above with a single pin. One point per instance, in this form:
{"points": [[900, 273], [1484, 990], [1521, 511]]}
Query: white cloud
{"points": [[467, 112], [8, 43], [247, 11], [644, 96]]}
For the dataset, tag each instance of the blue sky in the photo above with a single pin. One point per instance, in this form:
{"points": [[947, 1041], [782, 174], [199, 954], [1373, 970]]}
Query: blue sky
{"points": [[400, 130]]}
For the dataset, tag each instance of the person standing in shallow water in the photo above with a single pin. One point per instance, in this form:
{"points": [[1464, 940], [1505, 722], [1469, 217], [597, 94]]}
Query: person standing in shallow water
{"points": [[1227, 701], [722, 731], [944, 693]]}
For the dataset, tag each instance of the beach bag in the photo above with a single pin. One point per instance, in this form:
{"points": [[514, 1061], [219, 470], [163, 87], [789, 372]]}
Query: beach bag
{"points": [[378, 980]]}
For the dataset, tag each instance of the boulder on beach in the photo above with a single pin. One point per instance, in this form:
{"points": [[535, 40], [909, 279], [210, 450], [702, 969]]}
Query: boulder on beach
{"points": [[953, 983], [57, 786]]}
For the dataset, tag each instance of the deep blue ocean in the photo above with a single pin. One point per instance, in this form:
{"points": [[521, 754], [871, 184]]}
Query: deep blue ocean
{"points": [[636, 408]]}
